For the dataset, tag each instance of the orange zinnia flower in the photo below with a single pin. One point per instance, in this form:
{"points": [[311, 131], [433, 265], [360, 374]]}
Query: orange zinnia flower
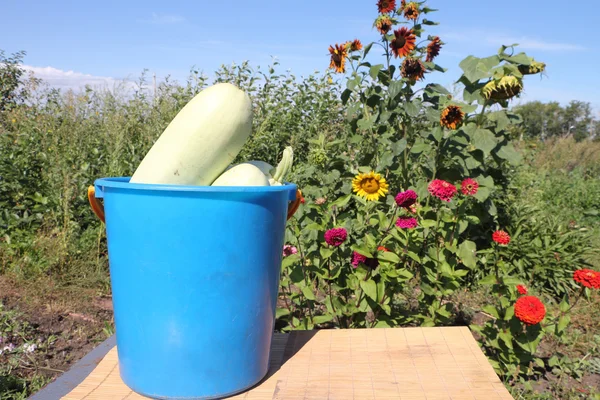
{"points": [[386, 6], [403, 42], [411, 11], [338, 58], [433, 49], [452, 117], [413, 69], [383, 23]]}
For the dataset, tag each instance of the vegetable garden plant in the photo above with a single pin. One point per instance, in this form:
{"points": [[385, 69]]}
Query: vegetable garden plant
{"points": [[409, 209]]}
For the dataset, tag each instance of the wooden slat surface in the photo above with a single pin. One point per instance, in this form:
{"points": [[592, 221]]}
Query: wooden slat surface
{"points": [[360, 364]]}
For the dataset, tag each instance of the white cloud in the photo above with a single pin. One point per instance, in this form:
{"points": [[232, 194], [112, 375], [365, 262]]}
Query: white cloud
{"points": [[66, 80], [164, 19]]}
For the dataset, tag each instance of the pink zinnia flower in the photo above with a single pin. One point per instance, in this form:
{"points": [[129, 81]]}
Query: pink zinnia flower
{"points": [[406, 222], [442, 189], [358, 258], [288, 250], [469, 187], [406, 199], [336, 236]]}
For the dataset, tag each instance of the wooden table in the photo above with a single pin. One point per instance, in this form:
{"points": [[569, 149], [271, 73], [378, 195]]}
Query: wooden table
{"points": [[396, 363]]}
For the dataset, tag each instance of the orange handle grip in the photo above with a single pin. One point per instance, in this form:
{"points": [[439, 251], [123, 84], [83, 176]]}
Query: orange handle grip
{"points": [[98, 208]]}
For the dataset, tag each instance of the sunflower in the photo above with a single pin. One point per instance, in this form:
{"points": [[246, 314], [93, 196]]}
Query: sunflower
{"points": [[504, 88], [386, 6], [403, 42], [338, 58], [384, 23], [411, 11], [412, 69], [433, 49], [452, 117], [371, 186], [354, 45], [534, 68]]}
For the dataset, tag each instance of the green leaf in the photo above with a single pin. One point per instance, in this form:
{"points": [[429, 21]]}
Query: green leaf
{"points": [[289, 261], [346, 95], [483, 139], [389, 256], [297, 275], [412, 109], [280, 312], [320, 319], [466, 252], [563, 321], [482, 193], [474, 68], [325, 252], [380, 291], [491, 310], [399, 146], [508, 153], [370, 288], [367, 49], [395, 88], [564, 304], [427, 223], [507, 338], [374, 70], [308, 293], [342, 201], [488, 280]]}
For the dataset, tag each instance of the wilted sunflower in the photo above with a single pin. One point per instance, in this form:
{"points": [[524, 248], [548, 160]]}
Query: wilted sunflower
{"points": [[338, 58], [384, 23], [386, 6], [370, 186], [452, 117], [534, 68], [355, 45], [411, 10], [504, 88], [433, 49], [402, 5], [403, 42], [413, 69]]}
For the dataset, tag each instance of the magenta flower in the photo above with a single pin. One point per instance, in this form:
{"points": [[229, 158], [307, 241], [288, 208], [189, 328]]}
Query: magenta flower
{"points": [[406, 222], [406, 199], [336, 236], [288, 250], [358, 258]]}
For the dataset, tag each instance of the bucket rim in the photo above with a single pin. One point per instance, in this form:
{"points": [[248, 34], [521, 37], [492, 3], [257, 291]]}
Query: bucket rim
{"points": [[122, 182]]}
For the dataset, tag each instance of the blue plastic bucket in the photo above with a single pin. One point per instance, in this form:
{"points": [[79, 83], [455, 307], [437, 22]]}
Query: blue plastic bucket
{"points": [[195, 275]]}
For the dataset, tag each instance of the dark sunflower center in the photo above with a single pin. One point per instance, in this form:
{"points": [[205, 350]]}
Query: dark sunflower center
{"points": [[370, 185], [400, 41]]}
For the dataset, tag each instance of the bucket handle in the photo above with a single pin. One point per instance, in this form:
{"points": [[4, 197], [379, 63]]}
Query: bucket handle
{"points": [[98, 208]]}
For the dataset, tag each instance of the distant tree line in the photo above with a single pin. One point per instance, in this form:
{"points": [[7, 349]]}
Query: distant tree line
{"points": [[550, 120]]}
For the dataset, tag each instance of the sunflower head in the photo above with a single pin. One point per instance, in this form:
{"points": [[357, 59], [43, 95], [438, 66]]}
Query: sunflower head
{"points": [[354, 45], [504, 88], [452, 117], [534, 68], [412, 69], [384, 23], [411, 11], [386, 6], [433, 49], [371, 186], [403, 42], [338, 57]]}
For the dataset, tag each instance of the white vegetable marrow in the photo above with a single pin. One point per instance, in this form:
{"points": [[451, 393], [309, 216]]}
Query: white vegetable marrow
{"points": [[276, 175], [244, 174], [201, 141]]}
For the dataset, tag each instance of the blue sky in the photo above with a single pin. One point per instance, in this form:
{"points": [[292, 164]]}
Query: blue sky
{"points": [[71, 43]]}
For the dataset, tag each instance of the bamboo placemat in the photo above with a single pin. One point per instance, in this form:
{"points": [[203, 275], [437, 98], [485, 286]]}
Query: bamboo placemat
{"points": [[359, 364]]}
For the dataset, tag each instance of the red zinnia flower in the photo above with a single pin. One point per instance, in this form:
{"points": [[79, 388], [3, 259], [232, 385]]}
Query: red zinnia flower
{"points": [[442, 189], [336, 236], [406, 223], [521, 289], [433, 49], [588, 278], [381, 248], [469, 186], [530, 310], [406, 199], [403, 42], [501, 237], [386, 6]]}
